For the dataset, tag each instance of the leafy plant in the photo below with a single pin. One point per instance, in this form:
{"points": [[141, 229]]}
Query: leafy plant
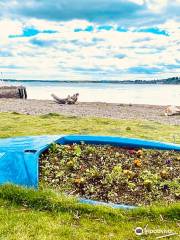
{"points": [[112, 174]]}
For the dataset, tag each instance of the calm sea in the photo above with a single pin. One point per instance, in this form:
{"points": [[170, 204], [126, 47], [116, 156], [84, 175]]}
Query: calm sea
{"points": [[105, 92]]}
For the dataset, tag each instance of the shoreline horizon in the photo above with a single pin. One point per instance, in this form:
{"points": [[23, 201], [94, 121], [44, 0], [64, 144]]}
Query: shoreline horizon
{"points": [[169, 81]]}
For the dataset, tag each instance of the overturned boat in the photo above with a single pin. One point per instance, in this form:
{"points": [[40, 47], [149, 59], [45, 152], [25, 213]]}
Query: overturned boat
{"points": [[9, 91], [13, 92]]}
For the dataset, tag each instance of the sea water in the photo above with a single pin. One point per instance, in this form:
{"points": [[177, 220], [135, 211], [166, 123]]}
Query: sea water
{"points": [[155, 94]]}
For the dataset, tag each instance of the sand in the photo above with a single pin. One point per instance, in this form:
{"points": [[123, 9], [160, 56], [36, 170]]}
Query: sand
{"points": [[94, 109]]}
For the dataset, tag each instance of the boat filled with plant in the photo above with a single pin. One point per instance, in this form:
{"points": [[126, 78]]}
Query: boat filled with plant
{"points": [[112, 174]]}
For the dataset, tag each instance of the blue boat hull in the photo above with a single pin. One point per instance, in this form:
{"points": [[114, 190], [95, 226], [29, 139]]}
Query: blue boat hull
{"points": [[19, 157]]}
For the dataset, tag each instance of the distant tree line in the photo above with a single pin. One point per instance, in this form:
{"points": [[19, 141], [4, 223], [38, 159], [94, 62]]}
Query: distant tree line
{"points": [[172, 80]]}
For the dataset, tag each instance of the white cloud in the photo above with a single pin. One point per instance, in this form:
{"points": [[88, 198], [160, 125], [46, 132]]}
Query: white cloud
{"points": [[140, 2], [156, 5], [8, 27], [75, 55]]}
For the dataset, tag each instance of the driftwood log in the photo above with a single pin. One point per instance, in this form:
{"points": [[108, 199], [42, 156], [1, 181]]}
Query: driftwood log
{"points": [[13, 92], [69, 100]]}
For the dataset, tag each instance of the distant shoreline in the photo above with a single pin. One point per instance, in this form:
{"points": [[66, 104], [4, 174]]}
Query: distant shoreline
{"points": [[173, 81]]}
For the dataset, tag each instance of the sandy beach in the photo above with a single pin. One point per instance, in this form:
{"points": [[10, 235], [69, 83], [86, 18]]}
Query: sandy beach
{"points": [[94, 109]]}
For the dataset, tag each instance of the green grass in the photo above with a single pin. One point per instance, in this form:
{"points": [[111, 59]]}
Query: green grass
{"points": [[13, 124], [29, 214]]}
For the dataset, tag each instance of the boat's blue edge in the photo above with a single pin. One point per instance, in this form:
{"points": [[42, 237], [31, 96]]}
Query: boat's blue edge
{"points": [[101, 203], [119, 141], [70, 139]]}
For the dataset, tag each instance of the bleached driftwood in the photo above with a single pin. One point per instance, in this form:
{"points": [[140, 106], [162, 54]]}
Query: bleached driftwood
{"points": [[74, 98], [68, 100], [172, 110]]}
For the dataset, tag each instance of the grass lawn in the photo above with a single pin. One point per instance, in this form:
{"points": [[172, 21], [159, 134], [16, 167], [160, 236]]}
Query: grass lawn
{"points": [[27, 214], [13, 124]]}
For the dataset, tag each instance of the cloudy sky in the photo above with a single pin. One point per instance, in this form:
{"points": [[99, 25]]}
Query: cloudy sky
{"points": [[89, 39]]}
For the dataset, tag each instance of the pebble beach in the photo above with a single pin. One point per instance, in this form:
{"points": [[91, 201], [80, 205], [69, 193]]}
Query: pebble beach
{"points": [[93, 109]]}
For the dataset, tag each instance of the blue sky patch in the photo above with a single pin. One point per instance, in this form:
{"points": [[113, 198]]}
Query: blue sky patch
{"points": [[121, 29], [120, 55], [87, 29], [78, 30], [5, 54], [153, 30], [30, 32], [11, 66], [42, 43], [143, 70], [49, 31], [105, 27]]}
